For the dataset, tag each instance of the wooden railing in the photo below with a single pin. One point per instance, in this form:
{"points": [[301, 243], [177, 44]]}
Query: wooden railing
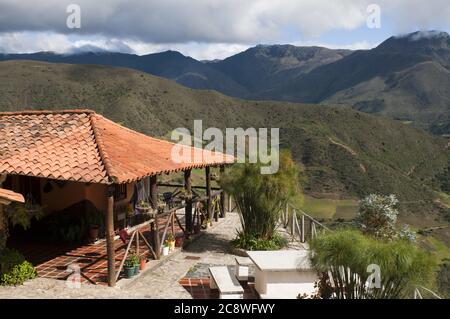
{"points": [[300, 225], [136, 236]]}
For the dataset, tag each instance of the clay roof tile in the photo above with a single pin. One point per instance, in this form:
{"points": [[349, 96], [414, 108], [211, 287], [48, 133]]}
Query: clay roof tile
{"points": [[80, 145]]}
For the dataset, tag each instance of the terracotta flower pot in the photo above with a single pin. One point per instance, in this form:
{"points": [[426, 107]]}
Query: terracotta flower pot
{"points": [[143, 263], [179, 241]]}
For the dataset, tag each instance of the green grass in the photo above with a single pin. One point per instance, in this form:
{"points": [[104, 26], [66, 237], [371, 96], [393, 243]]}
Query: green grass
{"points": [[327, 208], [444, 198], [436, 247]]}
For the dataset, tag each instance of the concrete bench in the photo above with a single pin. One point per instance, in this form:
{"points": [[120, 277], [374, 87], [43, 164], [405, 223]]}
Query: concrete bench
{"points": [[283, 273], [241, 269], [227, 284]]}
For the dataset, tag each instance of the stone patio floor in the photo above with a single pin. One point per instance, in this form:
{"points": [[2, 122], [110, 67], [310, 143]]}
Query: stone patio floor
{"points": [[164, 278]]}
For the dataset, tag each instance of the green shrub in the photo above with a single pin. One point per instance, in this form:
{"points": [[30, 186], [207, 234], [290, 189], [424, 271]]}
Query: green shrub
{"points": [[10, 258], [252, 242], [14, 269], [346, 255]]}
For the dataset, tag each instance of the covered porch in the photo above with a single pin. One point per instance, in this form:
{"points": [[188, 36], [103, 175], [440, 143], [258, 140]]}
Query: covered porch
{"points": [[86, 158]]}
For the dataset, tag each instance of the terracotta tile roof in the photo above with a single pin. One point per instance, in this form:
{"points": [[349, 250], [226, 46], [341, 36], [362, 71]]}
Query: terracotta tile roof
{"points": [[11, 196], [80, 145]]}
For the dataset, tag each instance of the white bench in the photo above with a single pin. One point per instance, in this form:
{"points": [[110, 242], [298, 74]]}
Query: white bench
{"points": [[242, 266], [227, 284]]}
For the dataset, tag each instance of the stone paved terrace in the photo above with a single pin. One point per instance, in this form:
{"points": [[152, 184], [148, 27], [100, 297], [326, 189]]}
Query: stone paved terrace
{"points": [[160, 280]]}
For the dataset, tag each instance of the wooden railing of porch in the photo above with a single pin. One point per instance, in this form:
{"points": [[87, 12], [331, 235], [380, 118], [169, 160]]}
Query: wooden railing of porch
{"points": [[300, 225], [173, 219]]}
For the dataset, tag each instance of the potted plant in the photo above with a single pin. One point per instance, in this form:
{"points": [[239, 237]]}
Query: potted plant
{"points": [[128, 267], [143, 263], [166, 248], [144, 207], [171, 241], [161, 205], [206, 223], [179, 241], [94, 220], [136, 262]]}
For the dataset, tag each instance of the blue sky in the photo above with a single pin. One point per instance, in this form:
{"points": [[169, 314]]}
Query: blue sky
{"points": [[209, 29]]}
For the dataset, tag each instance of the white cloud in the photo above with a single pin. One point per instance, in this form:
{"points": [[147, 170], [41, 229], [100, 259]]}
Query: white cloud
{"points": [[205, 29], [175, 21]]}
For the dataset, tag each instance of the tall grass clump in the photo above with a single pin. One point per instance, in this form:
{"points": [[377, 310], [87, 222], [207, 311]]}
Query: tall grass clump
{"points": [[260, 198], [347, 260]]}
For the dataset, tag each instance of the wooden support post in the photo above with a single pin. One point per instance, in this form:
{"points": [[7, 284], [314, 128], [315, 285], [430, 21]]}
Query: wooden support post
{"points": [[172, 222], [137, 245], [109, 223], [229, 202], [188, 208], [155, 226], [208, 192], [222, 195]]}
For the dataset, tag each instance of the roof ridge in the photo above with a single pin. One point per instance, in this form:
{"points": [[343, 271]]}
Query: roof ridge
{"points": [[37, 112], [101, 148], [148, 136]]}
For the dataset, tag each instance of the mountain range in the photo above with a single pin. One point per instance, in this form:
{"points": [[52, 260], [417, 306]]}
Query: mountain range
{"points": [[406, 78]]}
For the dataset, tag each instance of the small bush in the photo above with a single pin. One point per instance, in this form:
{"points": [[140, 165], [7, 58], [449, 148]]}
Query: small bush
{"points": [[14, 269], [252, 242], [18, 274]]}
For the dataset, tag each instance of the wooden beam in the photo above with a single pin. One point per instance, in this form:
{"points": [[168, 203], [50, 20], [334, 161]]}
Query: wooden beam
{"points": [[109, 223], [155, 225], [188, 208], [222, 195], [176, 185], [208, 192]]}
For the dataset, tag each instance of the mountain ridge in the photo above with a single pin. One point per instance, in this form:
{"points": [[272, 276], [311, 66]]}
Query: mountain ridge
{"points": [[405, 77]]}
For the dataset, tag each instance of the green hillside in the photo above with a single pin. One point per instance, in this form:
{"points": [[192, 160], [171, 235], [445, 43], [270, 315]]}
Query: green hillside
{"points": [[346, 153]]}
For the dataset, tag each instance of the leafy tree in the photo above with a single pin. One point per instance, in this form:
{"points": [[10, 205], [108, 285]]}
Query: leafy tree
{"points": [[343, 256], [260, 198]]}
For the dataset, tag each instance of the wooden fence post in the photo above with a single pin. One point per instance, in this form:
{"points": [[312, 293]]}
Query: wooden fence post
{"points": [[303, 228], [222, 195]]}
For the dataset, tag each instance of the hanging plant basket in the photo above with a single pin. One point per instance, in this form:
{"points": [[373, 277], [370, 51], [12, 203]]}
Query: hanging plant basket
{"points": [[144, 207]]}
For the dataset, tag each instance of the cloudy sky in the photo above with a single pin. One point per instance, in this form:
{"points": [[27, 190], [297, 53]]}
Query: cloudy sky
{"points": [[209, 29]]}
